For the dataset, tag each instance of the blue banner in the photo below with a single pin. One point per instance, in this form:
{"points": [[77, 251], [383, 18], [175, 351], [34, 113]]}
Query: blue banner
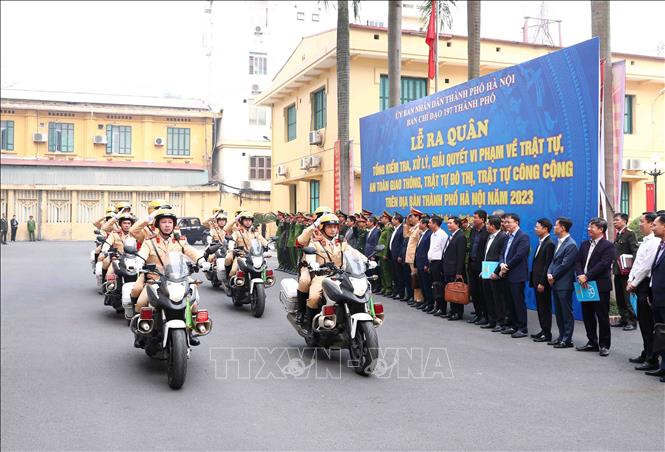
{"points": [[523, 139]]}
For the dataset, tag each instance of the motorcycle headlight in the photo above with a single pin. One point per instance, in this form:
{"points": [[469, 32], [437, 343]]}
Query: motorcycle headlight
{"points": [[359, 286], [257, 261], [176, 291]]}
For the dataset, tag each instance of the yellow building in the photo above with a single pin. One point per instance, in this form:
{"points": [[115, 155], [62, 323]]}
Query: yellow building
{"points": [[303, 98], [66, 156]]}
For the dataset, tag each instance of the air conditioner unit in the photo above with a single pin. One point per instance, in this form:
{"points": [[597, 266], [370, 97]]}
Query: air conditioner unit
{"points": [[314, 161], [282, 170], [304, 163], [99, 139], [315, 137], [636, 164], [626, 164], [39, 138], [159, 141]]}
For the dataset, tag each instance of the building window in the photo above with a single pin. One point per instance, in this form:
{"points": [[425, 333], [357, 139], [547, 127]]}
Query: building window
{"points": [[258, 64], [315, 17], [7, 131], [60, 137], [375, 23], [291, 122], [257, 116], [300, 15], [260, 168], [625, 198], [412, 88], [319, 109], [314, 194], [628, 115], [177, 141], [118, 139]]}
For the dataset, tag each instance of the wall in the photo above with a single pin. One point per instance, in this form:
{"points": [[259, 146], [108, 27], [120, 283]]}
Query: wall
{"points": [[67, 214]]}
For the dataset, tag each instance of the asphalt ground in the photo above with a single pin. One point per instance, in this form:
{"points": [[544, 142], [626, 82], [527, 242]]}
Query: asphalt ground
{"points": [[71, 379]]}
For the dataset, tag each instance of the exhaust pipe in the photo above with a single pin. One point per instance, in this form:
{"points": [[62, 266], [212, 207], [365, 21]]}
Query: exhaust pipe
{"points": [[203, 328], [144, 326]]}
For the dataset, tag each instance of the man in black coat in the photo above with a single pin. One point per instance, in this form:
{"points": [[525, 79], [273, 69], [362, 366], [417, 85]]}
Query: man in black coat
{"points": [[594, 262], [454, 253], [624, 243], [477, 241], [658, 286], [494, 288], [396, 259], [538, 279], [422, 264]]}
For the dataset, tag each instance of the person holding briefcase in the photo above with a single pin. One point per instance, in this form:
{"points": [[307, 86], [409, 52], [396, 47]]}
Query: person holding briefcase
{"points": [[454, 253]]}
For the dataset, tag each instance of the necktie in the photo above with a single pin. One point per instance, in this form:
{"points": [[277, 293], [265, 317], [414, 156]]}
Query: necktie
{"points": [[659, 254], [510, 241], [588, 257]]}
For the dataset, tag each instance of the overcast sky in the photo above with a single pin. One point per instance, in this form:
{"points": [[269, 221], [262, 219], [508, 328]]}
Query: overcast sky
{"points": [[155, 48]]}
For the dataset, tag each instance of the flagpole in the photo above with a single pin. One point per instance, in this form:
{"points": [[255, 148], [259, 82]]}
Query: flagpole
{"points": [[436, 46]]}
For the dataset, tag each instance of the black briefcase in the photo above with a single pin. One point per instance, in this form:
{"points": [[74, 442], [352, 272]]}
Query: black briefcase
{"points": [[659, 338]]}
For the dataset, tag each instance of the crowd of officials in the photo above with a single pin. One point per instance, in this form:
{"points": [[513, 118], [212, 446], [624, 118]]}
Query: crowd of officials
{"points": [[422, 255]]}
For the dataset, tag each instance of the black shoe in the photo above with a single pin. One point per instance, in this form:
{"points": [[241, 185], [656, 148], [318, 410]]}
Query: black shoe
{"points": [[497, 329], [647, 366], [604, 351], [589, 347], [630, 327], [638, 360], [302, 305], [563, 345], [429, 310], [454, 317], [193, 340], [554, 342], [537, 335], [619, 325], [473, 319], [542, 339], [507, 330], [662, 379], [423, 307], [656, 373], [307, 322], [411, 302], [488, 326], [403, 299], [439, 313], [518, 335], [482, 322]]}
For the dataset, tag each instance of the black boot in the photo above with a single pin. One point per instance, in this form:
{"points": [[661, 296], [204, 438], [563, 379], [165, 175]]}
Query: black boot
{"points": [[193, 340], [302, 304], [307, 322]]}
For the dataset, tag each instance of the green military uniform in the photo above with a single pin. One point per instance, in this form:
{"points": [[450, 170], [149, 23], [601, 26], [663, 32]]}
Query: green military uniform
{"points": [[297, 251], [278, 245], [31, 229], [362, 240], [291, 245], [385, 269], [284, 243]]}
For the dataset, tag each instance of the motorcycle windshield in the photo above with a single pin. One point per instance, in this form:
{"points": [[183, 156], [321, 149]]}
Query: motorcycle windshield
{"points": [[255, 248], [353, 264], [176, 267]]}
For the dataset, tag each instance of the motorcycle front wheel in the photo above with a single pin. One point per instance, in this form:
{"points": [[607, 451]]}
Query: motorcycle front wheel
{"points": [[365, 349], [177, 359], [258, 300]]}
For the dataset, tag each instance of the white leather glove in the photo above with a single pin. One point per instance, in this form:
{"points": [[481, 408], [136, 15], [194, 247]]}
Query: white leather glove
{"points": [[150, 219], [238, 218], [317, 223], [205, 266]]}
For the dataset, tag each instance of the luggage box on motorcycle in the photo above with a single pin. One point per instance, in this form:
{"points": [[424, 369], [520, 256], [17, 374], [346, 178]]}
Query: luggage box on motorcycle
{"points": [[288, 295]]}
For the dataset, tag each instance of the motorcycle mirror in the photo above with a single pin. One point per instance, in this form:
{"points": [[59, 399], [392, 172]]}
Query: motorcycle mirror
{"points": [[309, 250], [176, 234], [101, 238], [379, 247], [97, 231]]}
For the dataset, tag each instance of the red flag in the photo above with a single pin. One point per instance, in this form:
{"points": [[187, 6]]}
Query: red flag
{"points": [[431, 40]]}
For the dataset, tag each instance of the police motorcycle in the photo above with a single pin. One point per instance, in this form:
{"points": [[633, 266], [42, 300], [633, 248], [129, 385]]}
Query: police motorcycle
{"points": [[249, 284], [349, 316], [163, 328], [125, 270], [94, 255], [217, 273]]}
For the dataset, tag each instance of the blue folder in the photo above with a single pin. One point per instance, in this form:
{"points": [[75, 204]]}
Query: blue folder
{"points": [[590, 293], [488, 269], [633, 302]]}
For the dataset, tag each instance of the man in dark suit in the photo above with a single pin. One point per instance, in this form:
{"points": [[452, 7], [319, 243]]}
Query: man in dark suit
{"points": [[560, 276], [594, 263], [658, 286], [351, 234], [373, 234], [478, 239], [454, 253], [538, 279], [396, 259], [514, 268], [422, 264], [625, 243], [493, 288]]}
